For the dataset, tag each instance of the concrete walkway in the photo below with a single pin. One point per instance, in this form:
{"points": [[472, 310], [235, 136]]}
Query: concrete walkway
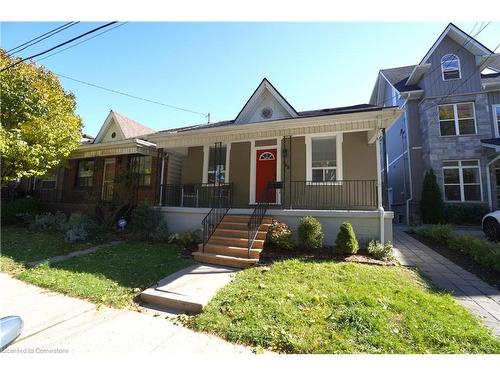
{"points": [[73, 254], [61, 324], [473, 293]]}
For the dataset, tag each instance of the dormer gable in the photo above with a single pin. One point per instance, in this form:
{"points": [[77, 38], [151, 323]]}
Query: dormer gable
{"points": [[265, 104]]}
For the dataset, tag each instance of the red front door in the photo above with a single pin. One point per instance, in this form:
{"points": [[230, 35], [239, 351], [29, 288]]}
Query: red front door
{"points": [[265, 172]]}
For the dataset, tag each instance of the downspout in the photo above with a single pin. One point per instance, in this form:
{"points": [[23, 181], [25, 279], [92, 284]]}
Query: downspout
{"points": [[490, 199], [379, 189]]}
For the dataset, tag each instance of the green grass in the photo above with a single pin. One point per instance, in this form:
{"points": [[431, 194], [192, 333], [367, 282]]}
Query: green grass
{"points": [[20, 245], [113, 276], [301, 306]]}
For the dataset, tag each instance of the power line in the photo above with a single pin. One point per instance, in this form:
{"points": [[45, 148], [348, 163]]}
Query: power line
{"points": [[83, 41], [39, 38], [59, 45], [132, 96]]}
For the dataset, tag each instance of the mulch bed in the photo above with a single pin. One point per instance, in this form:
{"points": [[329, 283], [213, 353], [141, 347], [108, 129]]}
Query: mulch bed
{"points": [[466, 262], [269, 256]]}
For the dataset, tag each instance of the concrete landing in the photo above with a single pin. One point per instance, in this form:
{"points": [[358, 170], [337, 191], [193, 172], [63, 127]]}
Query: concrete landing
{"points": [[189, 289]]}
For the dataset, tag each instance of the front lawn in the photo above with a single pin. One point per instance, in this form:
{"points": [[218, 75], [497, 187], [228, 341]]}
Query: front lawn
{"points": [[20, 245], [304, 306], [113, 276]]}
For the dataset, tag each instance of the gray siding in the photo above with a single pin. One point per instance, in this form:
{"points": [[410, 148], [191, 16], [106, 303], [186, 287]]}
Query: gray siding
{"points": [[433, 83]]}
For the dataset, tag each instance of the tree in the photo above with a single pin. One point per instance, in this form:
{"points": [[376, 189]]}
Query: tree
{"points": [[431, 204], [39, 127]]}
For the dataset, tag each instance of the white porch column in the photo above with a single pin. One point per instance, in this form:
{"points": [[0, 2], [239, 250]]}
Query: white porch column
{"points": [[488, 180], [379, 190]]}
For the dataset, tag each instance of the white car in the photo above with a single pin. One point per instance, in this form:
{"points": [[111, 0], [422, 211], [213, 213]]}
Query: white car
{"points": [[491, 225]]}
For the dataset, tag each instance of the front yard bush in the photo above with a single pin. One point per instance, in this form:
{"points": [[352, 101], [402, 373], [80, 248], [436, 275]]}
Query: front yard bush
{"points": [[148, 224], [346, 241], [465, 213], [12, 211], [78, 227], [279, 236], [187, 240], [310, 233], [431, 204], [50, 221], [379, 251], [482, 251]]}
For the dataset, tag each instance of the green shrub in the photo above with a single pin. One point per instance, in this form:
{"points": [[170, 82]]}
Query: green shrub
{"points": [[148, 223], [465, 213], [379, 251], [186, 240], [49, 221], [310, 233], [279, 236], [431, 203], [13, 211], [346, 240], [439, 232], [79, 228]]}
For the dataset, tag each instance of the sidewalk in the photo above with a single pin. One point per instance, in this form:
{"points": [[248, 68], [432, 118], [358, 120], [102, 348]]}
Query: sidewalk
{"points": [[479, 297], [63, 324]]}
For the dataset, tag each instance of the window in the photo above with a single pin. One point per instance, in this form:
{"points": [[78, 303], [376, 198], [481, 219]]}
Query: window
{"points": [[324, 159], [216, 173], [462, 180], [85, 177], [141, 167], [457, 119], [496, 119], [450, 67], [49, 181]]}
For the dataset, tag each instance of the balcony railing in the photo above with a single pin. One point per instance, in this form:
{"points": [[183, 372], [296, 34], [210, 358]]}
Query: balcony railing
{"points": [[195, 195]]}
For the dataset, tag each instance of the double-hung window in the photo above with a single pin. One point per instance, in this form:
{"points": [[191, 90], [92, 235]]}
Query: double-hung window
{"points": [[462, 180], [324, 159], [457, 119], [85, 177], [141, 169], [216, 164]]}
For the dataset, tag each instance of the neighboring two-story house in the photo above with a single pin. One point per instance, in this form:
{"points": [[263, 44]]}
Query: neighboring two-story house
{"points": [[451, 121]]}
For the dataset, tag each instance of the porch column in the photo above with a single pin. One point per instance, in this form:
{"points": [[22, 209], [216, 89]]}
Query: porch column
{"points": [[379, 189], [488, 180]]}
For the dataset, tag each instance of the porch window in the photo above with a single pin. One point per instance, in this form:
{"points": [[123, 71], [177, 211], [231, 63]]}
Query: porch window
{"points": [[450, 67], [462, 180], [140, 166], [457, 119], [49, 181], [324, 159], [216, 173], [85, 177]]}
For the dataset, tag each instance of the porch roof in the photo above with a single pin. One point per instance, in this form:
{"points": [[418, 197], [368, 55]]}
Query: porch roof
{"points": [[346, 119], [127, 146]]}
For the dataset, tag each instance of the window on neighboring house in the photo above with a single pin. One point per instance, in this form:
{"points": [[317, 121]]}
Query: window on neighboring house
{"points": [[324, 159], [85, 177], [140, 166], [49, 181], [462, 180], [450, 67], [496, 119], [457, 119], [216, 165]]}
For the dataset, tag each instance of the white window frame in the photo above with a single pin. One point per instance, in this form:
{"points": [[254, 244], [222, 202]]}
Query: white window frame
{"points": [[460, 168], [455, 118], [459, 68], [206, 155], [309, 168], [496, 123]]}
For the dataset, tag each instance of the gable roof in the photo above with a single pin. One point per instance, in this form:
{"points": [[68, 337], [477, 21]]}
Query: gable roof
{"points": [[397, 77], [266, 85], [493, 62], [128, 127]]}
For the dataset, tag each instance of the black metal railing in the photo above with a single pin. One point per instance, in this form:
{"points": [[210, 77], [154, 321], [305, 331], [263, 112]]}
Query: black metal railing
{"points": [[220, 204], [256, 218], [194, 195], [330, 195]]}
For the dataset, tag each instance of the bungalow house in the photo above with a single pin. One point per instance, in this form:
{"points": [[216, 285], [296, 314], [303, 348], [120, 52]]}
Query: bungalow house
{"points": [[231, 177]]}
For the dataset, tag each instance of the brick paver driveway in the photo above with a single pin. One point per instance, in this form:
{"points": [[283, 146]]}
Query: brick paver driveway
{"points": [[473, 293]]}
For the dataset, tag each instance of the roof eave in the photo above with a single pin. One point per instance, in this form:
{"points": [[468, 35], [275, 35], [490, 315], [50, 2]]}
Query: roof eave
{"points": [[417, 74]]}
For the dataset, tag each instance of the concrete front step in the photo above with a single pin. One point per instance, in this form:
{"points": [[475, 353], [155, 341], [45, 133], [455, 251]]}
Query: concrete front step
{"points": [[223, 260], [235, 233], [189, 289], [233, 241], [233, 251], [240, 226]]}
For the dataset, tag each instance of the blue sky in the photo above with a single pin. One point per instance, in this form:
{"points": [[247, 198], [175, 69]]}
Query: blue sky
{"points": [[214, 67]]}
